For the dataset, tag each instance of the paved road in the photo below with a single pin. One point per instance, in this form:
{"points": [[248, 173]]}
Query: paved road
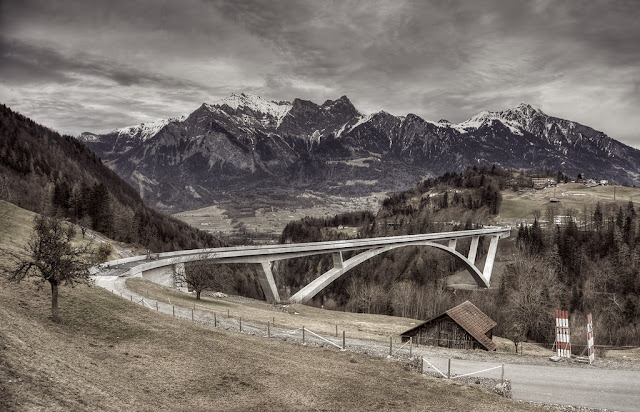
{"points": [[579, 386], [590, 387]]}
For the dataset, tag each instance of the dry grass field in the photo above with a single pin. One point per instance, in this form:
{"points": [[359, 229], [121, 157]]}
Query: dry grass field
{"points": [[571, 196], [108, 354], [216, 219]]}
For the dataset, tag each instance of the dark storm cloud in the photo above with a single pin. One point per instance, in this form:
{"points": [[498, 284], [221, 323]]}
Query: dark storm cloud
{"points": [[22, 62], [438, 59]]}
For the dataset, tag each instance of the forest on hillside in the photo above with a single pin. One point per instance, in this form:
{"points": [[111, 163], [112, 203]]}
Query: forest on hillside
{"points": [[45, 172], [589, 265]]}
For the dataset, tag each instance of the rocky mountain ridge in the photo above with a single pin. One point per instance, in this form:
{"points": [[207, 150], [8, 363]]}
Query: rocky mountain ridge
{"points": [[246, 144]]}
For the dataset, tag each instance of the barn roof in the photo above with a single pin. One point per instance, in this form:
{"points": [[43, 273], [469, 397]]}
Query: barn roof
{"points": [[474, 321], [471, 319]]}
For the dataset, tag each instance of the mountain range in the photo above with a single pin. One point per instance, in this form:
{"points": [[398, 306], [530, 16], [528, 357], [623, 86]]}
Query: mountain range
{"points": [[244, 145]]}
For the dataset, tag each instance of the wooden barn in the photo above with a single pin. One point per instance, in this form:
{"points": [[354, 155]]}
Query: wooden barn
{"points": [[464, 327]]}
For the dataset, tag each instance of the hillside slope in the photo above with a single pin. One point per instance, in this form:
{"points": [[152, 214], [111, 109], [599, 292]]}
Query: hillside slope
{"points": [[111, 355], [40, 170]]}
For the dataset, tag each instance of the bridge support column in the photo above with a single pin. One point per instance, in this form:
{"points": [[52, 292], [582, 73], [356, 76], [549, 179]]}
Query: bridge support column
{"points": [[453, 243], [337, 260], [268, 283], [491, 256], [473, 249]]}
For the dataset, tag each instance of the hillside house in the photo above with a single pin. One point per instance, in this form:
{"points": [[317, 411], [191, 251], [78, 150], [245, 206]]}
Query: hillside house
{"points": [[542, 182], [462, 327]]}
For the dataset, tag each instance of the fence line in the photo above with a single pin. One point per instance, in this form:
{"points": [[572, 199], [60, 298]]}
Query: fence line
{"points": [[473, 373], [398, 350], [431, 365], [326, 340]]}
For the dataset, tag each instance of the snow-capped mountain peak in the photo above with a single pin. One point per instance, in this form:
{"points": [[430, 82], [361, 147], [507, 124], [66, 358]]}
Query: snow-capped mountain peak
{"points": [[145, 131], [486, 118], [255, 103]]}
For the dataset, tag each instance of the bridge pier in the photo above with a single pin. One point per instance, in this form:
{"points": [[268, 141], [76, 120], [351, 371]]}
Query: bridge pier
{"points": [[473, 249], [491, 257], [268, 283], [337, 259]]}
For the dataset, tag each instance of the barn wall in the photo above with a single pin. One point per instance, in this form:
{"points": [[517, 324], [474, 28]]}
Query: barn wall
{"points": [[443, 332]]}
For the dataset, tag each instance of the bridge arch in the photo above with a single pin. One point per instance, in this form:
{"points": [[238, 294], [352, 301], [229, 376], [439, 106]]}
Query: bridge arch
{"points": [[322, 281]]}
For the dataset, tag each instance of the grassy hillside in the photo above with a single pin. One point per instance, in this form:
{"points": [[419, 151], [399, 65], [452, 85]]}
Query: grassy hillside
{"points": [[109, 354], [517, 206]]}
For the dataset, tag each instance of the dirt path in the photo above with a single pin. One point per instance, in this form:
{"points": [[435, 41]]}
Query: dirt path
{"points": [[606, 384]]}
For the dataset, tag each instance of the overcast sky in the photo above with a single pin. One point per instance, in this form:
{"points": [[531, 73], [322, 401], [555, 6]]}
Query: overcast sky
{"points": [[96, 65]]}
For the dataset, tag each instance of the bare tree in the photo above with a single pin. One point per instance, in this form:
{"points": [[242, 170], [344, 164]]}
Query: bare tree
{"points": [[533, 289], [51, 257], [199, 277]]}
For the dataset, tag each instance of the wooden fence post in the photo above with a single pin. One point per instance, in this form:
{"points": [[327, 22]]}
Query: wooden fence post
{"points": [[156, 305], [240, 323], [131, 298], [303, 335], [191, 315], [173, 308], [449, 369], [227, 313], [344, 345], [268, 329], [390, 345], [215, 320], [502, 374], [410, 346], [336, 330], [421, 365]]}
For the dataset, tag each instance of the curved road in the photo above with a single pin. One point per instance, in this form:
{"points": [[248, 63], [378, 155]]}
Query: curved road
{"points": [[578, 386]]}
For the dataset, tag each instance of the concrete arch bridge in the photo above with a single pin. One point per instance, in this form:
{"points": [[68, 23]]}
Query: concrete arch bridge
{"points": [[165, 268]]}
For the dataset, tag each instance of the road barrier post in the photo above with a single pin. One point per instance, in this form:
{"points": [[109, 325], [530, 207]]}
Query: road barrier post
{"points": [[156, 305], [173, 309], [336, 330], [268, 329], [131, 298], [449, 369], [502, 374], [344, 345], [410, 346], [390, 345], [215, 320], [240, 323], [422, 366], [227, 313], [303, 335]]}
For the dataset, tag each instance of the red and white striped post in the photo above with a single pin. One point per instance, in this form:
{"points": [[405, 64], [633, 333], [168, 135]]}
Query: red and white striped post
{"points": [[563, 337], [590, 344]]}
